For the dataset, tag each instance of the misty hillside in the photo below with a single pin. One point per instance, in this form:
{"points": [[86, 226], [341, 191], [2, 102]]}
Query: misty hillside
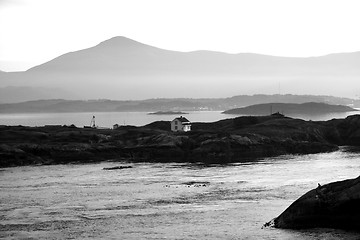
{"points": [[180, 104], [21, 94], [121, 68]]}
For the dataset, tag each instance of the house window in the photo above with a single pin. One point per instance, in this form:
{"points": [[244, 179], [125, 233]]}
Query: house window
{"points": [[175, 122], [175, 127]]}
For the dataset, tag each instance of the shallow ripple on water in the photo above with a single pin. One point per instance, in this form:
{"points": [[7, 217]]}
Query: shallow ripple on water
{"points": [[172, 201]]}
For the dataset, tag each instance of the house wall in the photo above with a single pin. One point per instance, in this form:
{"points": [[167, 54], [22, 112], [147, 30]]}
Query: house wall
{"points": [[176, 126]]}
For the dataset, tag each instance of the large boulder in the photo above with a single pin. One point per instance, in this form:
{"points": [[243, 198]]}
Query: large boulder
{"points": [[334, 205]]}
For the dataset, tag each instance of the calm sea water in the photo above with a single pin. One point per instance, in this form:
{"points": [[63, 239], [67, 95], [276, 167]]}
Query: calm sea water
{"points": [[108, 119], [156, 201]]}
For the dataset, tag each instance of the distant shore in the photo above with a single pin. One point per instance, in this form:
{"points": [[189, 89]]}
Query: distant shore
{"points": [[167, 113], [231, 140], [170, 104]]}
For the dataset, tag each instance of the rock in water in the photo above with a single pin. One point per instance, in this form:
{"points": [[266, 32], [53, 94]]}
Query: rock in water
{"points": [[334, 205], [117, 167]]}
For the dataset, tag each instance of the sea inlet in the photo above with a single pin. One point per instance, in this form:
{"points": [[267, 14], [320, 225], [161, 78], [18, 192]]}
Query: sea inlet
{"points": [[166, 200]]}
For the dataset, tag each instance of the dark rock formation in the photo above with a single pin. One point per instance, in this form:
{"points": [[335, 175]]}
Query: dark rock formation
{"points": [[117, 167], [230, 140], [334, 205]]}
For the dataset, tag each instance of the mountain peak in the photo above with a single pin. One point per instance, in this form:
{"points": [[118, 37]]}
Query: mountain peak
{"points": [[120, 41], [122, 67]]}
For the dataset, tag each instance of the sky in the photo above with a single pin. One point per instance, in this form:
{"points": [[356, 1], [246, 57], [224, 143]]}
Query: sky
{"points": [[35, 31]]}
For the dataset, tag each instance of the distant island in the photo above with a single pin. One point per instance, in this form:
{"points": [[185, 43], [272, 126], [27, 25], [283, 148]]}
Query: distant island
{"points": [[313, 108], [167, 113]]}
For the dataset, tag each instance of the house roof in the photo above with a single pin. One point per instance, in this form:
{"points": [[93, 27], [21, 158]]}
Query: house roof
{"points": [[182, 119]]}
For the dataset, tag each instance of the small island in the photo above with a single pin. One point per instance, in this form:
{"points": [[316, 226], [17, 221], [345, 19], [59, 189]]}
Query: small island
{"points": [[167, 113], [310, 108]]}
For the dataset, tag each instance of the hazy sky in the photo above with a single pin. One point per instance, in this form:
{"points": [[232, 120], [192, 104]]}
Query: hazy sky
{"points": [[35, 31]]}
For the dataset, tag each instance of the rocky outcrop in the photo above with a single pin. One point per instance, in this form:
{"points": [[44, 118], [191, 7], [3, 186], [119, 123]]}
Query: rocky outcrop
{"points": [[334, 205], [230, 140], [117, 168], [347, 130]]}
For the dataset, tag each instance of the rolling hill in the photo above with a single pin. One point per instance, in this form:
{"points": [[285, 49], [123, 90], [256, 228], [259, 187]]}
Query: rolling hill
{"points": [[179, 104]]}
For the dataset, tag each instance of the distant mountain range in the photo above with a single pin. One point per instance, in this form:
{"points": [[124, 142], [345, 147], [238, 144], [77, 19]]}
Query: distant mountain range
{"points": [[310, 108], [179, 104], [20, 94], [121, 68]]}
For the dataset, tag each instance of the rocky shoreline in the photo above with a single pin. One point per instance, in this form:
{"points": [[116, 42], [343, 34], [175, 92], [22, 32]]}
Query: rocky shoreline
{"points": [[231, 140], [334, 205]]}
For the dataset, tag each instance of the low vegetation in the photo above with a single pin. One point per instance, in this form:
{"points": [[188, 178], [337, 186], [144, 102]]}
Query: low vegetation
{"points": [[230, 140]]}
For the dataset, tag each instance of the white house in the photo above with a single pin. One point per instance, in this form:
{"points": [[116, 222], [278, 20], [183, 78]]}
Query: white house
{"points": [[180, 124]]}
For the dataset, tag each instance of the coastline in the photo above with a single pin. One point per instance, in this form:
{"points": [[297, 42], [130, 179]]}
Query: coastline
{"points": [[231, 140]]}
